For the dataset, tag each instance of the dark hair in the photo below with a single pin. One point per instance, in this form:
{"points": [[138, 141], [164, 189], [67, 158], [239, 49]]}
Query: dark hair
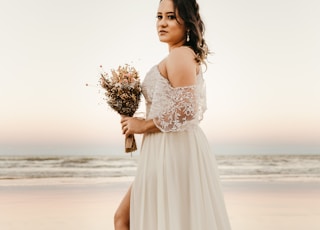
{"points": [[189, 12]]}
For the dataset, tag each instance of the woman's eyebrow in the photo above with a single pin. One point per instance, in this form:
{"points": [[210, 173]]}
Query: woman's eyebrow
{"points": [[170, 12]]}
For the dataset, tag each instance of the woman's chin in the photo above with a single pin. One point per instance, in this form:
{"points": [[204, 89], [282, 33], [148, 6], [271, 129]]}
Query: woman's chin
{"points": [[162, 39]]}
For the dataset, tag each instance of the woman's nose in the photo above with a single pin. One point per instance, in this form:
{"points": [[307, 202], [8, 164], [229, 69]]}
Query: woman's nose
{"points": [[162, 23]]}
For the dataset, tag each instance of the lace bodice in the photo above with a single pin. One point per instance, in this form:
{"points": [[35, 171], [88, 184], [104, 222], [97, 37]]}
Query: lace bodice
{"points": [[173, 108]]}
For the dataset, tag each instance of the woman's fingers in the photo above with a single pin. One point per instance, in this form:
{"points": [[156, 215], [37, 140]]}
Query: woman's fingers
{"points": [[125, 124], [124, 128], [124, 121], [124, 118]]}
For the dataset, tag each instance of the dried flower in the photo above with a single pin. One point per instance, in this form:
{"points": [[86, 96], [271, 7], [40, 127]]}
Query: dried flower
{"points": [[123, 92]]}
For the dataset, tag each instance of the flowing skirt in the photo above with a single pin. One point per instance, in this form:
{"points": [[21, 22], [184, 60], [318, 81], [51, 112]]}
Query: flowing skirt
{"points": [[177, 185]]}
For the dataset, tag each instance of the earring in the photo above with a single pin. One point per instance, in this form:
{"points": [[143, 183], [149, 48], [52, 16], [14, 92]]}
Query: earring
{"points": [[188, 35]]}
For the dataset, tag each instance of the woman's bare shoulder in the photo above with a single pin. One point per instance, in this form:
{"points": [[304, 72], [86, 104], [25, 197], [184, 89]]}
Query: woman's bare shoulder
{"points": [[181, 66], [182, 53]]}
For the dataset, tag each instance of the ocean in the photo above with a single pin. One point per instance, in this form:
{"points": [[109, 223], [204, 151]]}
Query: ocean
{"points": [[237, 167]]}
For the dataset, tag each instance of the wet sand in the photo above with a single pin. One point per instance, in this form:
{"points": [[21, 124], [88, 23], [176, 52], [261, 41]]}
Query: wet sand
{"points": [[90, 204]]}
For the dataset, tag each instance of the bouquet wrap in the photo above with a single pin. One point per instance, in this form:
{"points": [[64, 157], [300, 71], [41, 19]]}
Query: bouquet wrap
{"points": [[123, 93]]}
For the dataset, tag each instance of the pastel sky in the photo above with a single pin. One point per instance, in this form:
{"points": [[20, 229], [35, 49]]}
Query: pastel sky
{"points": [[263, 80]]}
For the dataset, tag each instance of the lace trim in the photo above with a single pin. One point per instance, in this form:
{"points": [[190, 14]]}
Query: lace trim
{"points": [[180, 109], [173, 109]]}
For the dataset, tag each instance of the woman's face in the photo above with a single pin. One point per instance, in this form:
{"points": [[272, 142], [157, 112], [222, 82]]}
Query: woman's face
{"points": [[171, 28]]}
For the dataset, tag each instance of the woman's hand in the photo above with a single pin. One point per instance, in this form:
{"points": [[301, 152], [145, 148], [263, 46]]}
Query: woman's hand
{"points": [[132, 125]]}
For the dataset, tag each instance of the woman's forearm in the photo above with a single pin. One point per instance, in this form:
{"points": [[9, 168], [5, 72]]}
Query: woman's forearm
{"points": [[132, 125], [150, 127]]}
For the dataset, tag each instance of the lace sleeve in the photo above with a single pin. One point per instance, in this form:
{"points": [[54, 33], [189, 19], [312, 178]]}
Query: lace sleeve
{"points": [[177, 109]]}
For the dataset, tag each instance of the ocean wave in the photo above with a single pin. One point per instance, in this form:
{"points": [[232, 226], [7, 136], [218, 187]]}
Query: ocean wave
{"points": [[236, 167]]}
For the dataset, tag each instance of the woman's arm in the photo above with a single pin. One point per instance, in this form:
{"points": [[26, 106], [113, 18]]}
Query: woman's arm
{"points": [[132, 125], [175, 108]]}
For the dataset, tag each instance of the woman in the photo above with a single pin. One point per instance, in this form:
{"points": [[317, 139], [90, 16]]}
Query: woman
{"points": [[177, 185]]}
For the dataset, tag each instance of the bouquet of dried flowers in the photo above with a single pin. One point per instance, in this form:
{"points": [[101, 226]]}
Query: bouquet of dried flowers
{"points": [[123, 91]]}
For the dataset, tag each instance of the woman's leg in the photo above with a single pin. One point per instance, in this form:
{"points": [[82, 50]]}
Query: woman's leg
{"points": [[122, 215]]}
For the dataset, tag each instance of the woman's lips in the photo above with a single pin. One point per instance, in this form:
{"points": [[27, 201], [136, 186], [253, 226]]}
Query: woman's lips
{"points": [[161, 32]]}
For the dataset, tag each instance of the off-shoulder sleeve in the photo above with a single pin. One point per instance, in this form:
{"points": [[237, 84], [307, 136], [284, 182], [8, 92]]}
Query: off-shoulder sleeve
{"points": [[176, 109]]}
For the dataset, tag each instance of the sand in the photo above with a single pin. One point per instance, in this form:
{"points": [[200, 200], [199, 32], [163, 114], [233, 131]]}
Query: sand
{"points": [[90, 204]]}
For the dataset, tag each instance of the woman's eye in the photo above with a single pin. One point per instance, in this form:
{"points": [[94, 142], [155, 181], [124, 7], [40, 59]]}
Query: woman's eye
{"points": [[171, 17], [159, 17]]}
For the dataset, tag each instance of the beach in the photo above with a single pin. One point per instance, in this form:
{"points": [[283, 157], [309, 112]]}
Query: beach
{"points": [[276, 205], [90, 203]]}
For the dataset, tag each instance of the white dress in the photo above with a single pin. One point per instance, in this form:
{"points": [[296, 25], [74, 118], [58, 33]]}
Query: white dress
{"points": [[177, 185]]}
